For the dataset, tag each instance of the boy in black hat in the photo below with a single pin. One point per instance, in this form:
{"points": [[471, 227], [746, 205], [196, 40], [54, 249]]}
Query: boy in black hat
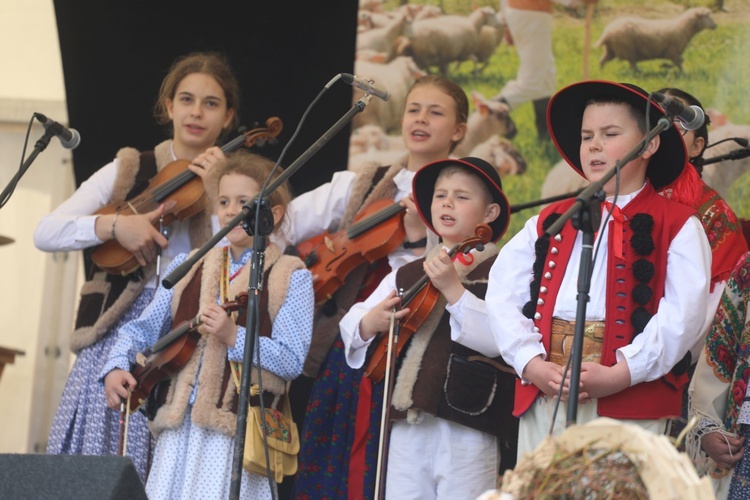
{"points": [[452, 400], [649, 283]]}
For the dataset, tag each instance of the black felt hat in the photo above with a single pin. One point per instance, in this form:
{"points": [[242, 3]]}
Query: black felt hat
{"points": [[423, 187], [565, 115]]}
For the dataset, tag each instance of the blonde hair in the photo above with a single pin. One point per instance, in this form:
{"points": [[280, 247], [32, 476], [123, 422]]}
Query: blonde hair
{"points": [[255, 167], [449, 170]]}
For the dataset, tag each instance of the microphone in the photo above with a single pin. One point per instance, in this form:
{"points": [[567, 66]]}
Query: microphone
{"points": [[691, 117], [69, 137], [366, 86]]}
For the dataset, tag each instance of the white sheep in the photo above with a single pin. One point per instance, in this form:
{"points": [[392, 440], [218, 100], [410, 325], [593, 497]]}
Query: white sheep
{"points": [[427, 12], [373, 137], [562, 179], [635, 39], [396, 77], [489, 118], [490, 38], [442, 40], [371, 5], [385, 39], [501, 154], [721, 175]]}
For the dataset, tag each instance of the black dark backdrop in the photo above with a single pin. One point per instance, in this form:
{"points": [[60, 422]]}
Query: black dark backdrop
{"points": [[115, 54]]}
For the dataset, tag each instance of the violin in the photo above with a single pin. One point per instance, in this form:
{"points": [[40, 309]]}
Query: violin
{"points": [[174, 182], [421, 299], [171, 353], [377, 231]]}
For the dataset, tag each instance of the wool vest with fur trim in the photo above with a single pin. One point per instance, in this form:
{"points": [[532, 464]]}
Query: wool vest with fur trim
{"points": [[446, 379], [105, 297], [373, 183], [215, 404], [635, 285]]}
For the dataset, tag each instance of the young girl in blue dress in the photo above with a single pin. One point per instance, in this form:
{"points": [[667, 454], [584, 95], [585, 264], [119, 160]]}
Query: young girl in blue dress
{"points": [[196, 425]]}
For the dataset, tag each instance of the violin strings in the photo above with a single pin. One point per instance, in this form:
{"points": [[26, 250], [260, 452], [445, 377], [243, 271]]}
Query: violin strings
{"points": [[365, 225]]}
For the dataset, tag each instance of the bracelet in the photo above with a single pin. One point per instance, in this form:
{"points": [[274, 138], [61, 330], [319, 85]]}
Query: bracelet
{"points": [[416, 244], [114, 221]]}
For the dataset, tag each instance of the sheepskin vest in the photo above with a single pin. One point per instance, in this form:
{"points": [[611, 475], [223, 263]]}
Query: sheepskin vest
{"points": [[105, 297], [372, 183], [446, 379], [215, 405], [635, 285]]}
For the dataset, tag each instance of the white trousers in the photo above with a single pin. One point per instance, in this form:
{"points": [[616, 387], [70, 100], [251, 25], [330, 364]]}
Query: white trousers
{"points": [[438, 459], [534, 425], [532, 37]]}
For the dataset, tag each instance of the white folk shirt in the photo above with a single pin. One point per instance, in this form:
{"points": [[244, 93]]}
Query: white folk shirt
{"points": [[671, 332], [468, 323]]}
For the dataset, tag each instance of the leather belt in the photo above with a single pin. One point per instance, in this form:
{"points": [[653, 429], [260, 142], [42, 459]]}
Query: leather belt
{"points": [[561, 341]]}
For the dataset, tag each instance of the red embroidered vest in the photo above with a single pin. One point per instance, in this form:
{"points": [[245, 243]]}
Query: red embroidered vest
{"points": [[635, 285]]}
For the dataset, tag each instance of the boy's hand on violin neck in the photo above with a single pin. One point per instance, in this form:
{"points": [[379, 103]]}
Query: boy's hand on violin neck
{"points": [[378, 320], [137, 234], [443, 275], [117, 385]]}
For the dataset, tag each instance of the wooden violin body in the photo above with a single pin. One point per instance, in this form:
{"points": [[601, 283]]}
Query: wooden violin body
{"points": [[421, 299], [174, 183], [171, 353], [377, 231]]}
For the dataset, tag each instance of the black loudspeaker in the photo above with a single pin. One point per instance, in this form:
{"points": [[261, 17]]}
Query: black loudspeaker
{"points": [[69, 477]]}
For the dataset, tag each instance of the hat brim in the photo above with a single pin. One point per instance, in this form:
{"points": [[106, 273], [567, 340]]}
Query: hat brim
{"points": [[565, 115], [423, 187]]}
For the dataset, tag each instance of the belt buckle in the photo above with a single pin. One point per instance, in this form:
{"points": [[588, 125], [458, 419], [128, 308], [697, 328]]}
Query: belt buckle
{"points": [[590, 332]]}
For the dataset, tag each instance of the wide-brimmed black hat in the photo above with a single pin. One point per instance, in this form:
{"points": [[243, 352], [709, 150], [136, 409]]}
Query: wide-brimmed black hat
{"points": [[565, 115], [423, 187]]}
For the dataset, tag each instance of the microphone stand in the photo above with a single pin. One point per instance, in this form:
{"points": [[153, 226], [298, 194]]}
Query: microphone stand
{"points": [[257, 209], [735, 154], [39, 146], [588, 209], [531, 204]]}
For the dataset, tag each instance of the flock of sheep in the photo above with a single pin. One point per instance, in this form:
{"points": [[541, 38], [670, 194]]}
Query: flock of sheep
{"points": [[395, 48]]}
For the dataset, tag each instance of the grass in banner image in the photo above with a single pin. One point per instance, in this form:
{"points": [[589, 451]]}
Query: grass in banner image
{"points": [[699, 46]]}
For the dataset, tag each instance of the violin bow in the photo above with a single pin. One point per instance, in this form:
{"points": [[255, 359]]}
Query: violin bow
{"points": [[122, 446], [385, 415]]}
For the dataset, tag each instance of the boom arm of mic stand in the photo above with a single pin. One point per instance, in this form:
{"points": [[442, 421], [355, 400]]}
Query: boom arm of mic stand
{"points": [[735, 154], [181, 270]]}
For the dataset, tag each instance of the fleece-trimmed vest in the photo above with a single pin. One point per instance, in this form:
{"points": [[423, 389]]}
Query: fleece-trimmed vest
{"points": [[372, 183], [635, 285], [446, 379], [105, 297], [215, 405]]}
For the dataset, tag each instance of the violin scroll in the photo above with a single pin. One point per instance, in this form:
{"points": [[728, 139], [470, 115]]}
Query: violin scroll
{"points": [[482, 236], [261, 135]]}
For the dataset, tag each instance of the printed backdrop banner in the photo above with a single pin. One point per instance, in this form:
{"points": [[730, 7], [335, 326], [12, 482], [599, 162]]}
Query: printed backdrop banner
{"points": [[510, 59]]}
